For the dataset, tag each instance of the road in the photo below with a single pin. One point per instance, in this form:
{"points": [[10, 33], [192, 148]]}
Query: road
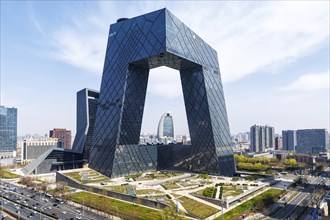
{"points": [[30, 204], [297, 205]]}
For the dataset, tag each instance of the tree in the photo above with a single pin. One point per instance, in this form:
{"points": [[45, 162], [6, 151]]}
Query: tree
{"points": [[290, 162]]}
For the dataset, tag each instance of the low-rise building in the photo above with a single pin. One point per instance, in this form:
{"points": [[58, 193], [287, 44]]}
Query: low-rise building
{"points": [[32, 149]]}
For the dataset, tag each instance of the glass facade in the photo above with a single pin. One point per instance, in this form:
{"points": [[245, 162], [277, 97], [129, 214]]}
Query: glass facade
{"points": [[8, 129], [312, 141], [134, 46], [289, 140], [166, 127], [87, 102]]}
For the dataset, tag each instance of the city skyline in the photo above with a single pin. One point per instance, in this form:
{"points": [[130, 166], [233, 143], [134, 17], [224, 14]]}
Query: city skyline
{"points": [[274, 62]]}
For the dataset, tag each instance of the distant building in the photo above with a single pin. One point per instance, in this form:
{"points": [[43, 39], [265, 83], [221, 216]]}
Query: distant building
{"points": [[281, 156], [257, 138], [166, 128], [33, 148], [312, 141], [278, 143], [262, 137], [8, 130], [63, 135], [303, 158], [289, 140]]}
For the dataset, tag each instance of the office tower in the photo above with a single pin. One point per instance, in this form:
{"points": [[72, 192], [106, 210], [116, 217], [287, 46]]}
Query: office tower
{"points": [[63, 135], [278, 143], [312, 141], [135, 46], [166, 127], [262, 137], [8, 129], [269, 136], [87, 102], [257, 137], [289, 140]]}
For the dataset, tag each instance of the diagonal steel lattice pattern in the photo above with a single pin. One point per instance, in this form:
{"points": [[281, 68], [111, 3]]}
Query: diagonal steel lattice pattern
{"points": [[134, 46]]}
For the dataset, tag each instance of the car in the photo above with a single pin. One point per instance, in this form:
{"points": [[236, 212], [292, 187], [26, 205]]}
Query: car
{"points": [[64, 212]]}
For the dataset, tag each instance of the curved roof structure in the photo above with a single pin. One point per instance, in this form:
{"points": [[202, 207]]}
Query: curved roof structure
{"points": [[166, 126]]}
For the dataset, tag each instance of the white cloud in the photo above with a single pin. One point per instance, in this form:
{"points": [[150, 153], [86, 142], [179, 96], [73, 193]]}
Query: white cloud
{"points": [[312, 81], [249, 37]]}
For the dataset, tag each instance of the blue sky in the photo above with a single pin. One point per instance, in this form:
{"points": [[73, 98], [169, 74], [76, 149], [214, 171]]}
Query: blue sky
{"points": [[274, 60]]}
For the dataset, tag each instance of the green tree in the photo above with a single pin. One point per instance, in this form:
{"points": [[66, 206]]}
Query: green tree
{"points": [[290, 162]]}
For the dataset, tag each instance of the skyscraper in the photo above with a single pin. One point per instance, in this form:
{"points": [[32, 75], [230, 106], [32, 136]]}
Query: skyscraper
{"points": [[289, 140], [262, 137], [135, 46], [312, 141], [8, 129], [166, 127], [62, 135], [269, 136], [257, 136], [87, 102]]}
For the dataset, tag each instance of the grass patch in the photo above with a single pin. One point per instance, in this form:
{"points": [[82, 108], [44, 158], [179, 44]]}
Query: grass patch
{"points": [[196, 208], [5, 174], [95, 177], [263, 201], [147, 191], [121, 189], [155, 175], [111, 206], [170, 185]]}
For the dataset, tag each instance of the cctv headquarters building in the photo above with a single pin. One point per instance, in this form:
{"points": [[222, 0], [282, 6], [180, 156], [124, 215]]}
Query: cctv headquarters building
{"points": [[135, 46]]}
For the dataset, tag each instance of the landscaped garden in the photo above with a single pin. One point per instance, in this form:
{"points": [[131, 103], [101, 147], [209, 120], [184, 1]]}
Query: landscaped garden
{"points": [[261, 202], [170, 185], [195, 208], [147, 191], [227, 190], [153, 175], [121, 189], [5, 174], [116, 207], [89, 176]]}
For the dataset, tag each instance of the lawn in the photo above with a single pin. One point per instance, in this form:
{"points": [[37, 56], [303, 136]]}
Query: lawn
{"points": [[170, 185], [196, 208], [228, 190], [121, 189], [147, 191], [118, 208], [232, 190], [5, 174], [248, 206], [154, 175], [96, 177]]}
